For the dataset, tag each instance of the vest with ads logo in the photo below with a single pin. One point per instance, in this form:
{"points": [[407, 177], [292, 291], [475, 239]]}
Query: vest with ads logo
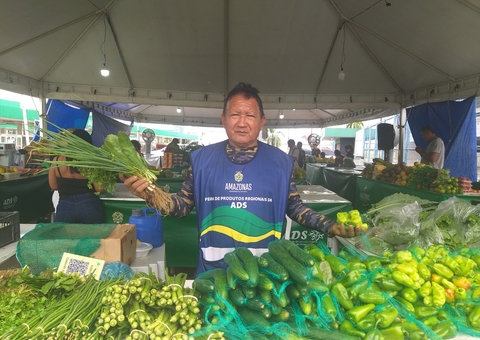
{"points": [[239, 205]]}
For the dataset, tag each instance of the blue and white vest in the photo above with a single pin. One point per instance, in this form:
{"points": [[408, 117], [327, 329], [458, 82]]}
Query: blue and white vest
{"points": [[238, 205]]}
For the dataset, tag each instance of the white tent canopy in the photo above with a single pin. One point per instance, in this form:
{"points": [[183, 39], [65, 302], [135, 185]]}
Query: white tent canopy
{"points": [[164, 54]]}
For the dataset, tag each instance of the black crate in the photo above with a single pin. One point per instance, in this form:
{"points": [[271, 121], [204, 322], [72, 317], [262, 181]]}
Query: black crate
{"points": [[9, 227]]}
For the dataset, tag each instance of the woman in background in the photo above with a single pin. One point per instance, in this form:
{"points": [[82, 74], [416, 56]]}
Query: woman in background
{"points": [[77, 203]]}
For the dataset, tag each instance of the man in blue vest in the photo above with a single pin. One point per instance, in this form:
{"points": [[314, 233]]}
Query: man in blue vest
{"points": [[241, 188]]}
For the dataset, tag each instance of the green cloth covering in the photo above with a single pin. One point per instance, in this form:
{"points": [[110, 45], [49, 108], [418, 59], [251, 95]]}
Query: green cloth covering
{"points": [[31, 196], [43, 247]]}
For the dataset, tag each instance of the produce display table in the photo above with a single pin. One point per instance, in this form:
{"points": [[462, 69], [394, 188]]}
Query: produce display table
{"points": [[180, 234], [340, 181], [31, 196], [370, 191]]}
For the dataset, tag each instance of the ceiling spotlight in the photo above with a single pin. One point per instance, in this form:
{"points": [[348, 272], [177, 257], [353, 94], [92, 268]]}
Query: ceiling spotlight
{"points": [[281, 116], [341, 75], [104, 71], [179, 110], [293, 109]]}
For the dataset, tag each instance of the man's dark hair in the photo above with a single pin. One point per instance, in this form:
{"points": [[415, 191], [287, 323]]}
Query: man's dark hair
{"points": [[291, 142], [175, 140], [427, 129], [247, 91], [136, 144]]}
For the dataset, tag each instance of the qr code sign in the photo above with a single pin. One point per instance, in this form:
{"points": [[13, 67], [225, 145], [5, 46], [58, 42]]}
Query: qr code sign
{"points": [[77, 266], [82, 265]]}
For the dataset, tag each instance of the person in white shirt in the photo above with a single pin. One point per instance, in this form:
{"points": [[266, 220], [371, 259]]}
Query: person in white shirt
{"points": [[293, 151], [434, 154]]}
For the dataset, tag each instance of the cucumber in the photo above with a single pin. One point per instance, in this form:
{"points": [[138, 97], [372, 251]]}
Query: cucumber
{"points": [[231, 279], [235, 266], [266, 312], [317, 333], [276, 308], [250, 265], [282, 298], [276, 269], [249, 292], [255, 303], [318, 286], [296, 270], [262, 262], [282, 316], [204, 286], [253, 318], [265, 283], [297, 253], [302, 288], [265, 295], [292, 291], [237, 297], [305, 304]]}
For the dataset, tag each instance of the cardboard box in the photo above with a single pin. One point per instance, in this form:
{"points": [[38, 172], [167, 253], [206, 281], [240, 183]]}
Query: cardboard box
{"points": [[121, 245]]}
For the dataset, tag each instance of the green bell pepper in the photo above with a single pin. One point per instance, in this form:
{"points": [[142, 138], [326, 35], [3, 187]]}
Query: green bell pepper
{"points": [[474, 317], [442, 315], [342, 296], [337, 266], [387, 283], [358, 313], [407, 269], [386, 317], [393, 333], [443, 270], [430, 321], [367, 323], [422, 312], [372, 296], [409, 294], [417, 335], [372, 263], [374, 334], [466, 265], [357, 289], [342, 217], [402, 278], [351, 278], [328, 306], [405, 304], [449, 284], [348, 328], [351, 265], [446, 329]]}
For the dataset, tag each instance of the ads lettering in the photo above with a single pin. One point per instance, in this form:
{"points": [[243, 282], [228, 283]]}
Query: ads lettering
{"points": [[238, 205], [10, 202]]}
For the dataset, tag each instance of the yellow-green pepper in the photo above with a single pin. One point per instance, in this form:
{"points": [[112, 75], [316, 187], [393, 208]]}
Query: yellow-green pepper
{"points": [[423, 271], [422, 312], [342, 217], [460, 294], [341, 294], [443, 270], [462, 282], [448, 284], [446, 329], [388, 284], [426, 289], [374, 334], [348, 328], [402, 278], [452, 264], [404, 256], [357, 289], [438, 295], [367, 323], [474, 317], [409, 294], [405, 303], [351, 278], [393, 333], [372, 296]]}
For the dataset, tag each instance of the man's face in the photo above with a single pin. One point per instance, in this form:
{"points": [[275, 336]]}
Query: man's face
{"points": [[426, 135], [242, 121]]}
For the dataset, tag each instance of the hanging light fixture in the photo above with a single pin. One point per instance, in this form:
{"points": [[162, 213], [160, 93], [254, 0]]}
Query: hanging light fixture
{"points": [[104, 71], [341, 74], [281, 116], [179, 110]]}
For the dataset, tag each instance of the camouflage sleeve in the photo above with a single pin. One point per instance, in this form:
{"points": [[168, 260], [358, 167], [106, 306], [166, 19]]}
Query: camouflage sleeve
{"points": [[183, 200], [305, 216]]}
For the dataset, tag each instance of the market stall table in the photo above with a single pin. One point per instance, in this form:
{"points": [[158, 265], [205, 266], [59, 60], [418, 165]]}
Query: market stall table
{"points": [[180, 234], [370, 191], [31, 196]]}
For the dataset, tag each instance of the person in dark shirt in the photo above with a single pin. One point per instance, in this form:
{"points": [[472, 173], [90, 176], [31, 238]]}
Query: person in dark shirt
{"points": [[338, 157], [261, 170], [301, 155], [315, 151], [77, 203]]}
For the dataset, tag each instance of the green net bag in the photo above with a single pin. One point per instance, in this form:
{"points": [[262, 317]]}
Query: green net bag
{"points": [[43, 247]]}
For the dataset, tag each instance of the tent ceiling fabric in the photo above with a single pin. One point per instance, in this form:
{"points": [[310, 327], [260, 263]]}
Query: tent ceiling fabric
{"points": [[189, 54]]}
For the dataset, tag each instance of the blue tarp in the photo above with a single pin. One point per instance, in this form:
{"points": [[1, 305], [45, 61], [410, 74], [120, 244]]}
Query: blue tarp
{"points": [[65, 116], [455, 123]]}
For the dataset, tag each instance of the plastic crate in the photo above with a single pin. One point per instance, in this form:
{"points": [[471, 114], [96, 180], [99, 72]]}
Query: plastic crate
{"points": [[9, 227]]}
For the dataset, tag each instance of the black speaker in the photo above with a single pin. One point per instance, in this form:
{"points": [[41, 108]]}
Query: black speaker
{"points": [[386, 136]]}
